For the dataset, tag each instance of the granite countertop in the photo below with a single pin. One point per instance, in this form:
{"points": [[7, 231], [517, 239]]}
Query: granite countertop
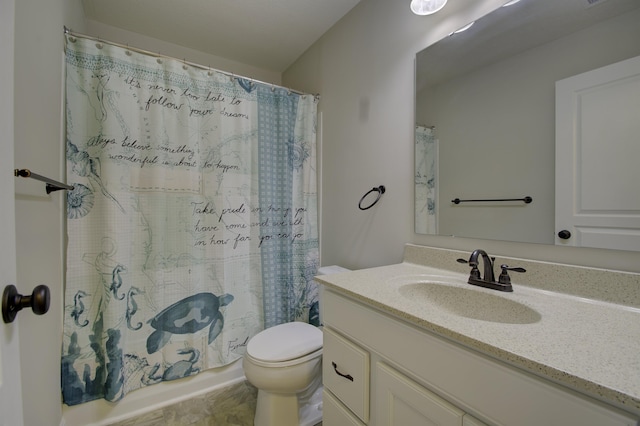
{"points": [[588, 345]]}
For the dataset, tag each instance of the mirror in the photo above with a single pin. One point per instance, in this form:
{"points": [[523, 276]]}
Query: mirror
{"points": [[485, 113]]}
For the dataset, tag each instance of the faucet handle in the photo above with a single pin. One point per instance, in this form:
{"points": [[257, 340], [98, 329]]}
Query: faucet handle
{"points": [[475, 272], [504, 277]]}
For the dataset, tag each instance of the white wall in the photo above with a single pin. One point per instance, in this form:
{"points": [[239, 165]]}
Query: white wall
{"points": [[117, 35], [364, 70]]}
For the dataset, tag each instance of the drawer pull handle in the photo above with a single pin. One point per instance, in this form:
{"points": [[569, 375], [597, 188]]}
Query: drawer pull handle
{"points": [[346, 376]]}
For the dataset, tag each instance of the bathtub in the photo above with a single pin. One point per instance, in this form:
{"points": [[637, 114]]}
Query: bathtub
{"points": [[151, 398]]}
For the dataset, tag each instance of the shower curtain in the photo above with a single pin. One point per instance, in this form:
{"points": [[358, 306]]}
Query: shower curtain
{"points": [[426, 158], [192, 224]]}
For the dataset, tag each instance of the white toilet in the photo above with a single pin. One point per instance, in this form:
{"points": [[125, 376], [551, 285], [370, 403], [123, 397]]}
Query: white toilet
{"points": [[285, 364]]}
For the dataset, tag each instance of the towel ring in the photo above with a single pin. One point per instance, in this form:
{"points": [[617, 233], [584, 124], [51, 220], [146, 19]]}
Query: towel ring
{"points": [[380, 190]]}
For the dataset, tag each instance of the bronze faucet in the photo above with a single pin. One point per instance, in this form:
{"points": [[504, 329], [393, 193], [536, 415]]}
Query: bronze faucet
{"points": [[489, 280]]}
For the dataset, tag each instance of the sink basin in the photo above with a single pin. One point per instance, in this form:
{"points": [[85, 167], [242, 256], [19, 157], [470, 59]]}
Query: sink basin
{"points": [[470, 303]]}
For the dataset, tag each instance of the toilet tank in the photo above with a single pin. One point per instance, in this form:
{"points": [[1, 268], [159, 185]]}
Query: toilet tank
{"points": [[327, 270]]}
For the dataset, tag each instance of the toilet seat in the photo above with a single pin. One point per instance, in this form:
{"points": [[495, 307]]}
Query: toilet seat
{"points": [[285, 344], [282, 364]]}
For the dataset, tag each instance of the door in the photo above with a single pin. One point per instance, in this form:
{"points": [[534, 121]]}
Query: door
{"points": [[401, 401], [597, 152], [10, 385]]}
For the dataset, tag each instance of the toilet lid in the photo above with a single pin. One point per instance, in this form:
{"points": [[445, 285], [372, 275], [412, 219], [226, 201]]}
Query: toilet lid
{"points": [[285, 342]]}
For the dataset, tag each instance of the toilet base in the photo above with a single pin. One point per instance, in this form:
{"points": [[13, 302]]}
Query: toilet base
{"points": [[274, 409]]}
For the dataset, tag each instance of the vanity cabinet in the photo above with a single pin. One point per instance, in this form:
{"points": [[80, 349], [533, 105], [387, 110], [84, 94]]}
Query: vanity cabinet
{"points": [[382, 371], [398, 401]]}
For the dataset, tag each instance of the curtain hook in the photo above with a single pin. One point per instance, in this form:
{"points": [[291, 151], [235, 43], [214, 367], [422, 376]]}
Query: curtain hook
{"points": [[127, 52], [99, 44], [209, 73], [68, 32]]}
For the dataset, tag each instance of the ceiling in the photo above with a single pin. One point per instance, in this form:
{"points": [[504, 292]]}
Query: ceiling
{"points": [[268, 34]]}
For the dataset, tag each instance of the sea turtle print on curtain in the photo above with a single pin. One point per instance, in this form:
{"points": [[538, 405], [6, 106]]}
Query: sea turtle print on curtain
{"points": [[192, 224]]}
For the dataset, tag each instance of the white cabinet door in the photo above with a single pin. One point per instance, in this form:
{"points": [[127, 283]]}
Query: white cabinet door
{"points": [[401, 401], [597, 152]]}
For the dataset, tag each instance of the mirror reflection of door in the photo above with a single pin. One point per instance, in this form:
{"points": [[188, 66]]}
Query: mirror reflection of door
{"points": [[597, 154]]}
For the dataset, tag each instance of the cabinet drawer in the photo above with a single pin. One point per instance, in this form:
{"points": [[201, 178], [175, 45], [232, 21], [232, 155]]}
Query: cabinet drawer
{"points": [[345, 372]]}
